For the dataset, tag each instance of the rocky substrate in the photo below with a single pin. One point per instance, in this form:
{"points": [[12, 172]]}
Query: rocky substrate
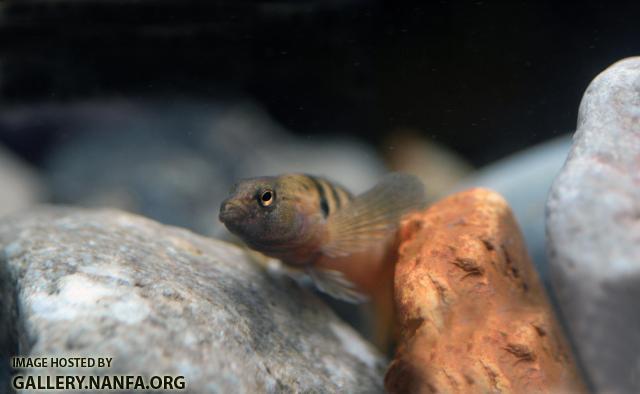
{"points": [[164, 301], [593, 228], [474, 316]]}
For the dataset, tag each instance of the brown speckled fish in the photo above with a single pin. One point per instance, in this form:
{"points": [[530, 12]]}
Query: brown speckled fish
{"points": [[309, 223]]}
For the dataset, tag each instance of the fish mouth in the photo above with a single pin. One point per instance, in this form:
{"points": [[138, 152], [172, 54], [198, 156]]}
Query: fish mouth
{"points": [[231, 211]]}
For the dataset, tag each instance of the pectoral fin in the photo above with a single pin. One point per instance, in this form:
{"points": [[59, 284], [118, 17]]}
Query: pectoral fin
{"points": [[336, 285], [372, 216]]}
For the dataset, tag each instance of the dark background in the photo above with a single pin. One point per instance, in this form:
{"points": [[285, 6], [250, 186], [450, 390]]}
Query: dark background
{"points": [[484, 78]]}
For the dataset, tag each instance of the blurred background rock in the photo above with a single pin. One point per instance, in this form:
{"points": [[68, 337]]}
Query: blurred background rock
{"points": [[21, 184]]}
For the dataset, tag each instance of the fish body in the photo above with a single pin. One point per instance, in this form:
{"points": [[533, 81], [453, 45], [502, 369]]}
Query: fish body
{"points": [[340, 240]]}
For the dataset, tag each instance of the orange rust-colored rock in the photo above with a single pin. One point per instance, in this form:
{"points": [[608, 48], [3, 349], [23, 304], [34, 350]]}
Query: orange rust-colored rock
{"points": [[473, 314]]}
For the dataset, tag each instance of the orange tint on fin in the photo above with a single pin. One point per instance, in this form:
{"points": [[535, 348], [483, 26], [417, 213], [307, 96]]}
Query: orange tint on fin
{"points": [[372, 216], [336, 285]]}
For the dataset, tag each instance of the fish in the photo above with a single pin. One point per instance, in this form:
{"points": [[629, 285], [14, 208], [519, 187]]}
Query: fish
{"points": [[317, 226]]}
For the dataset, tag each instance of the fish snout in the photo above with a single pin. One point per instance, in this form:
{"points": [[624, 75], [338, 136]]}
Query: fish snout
{"points": [[230, 211]]}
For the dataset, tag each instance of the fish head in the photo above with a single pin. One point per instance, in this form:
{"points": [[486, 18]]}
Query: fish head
{"points": [[262, 211]]}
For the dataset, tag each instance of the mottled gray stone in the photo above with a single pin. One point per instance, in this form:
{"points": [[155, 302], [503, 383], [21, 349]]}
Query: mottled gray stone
{"points": [[20, 186], [162, 300], [593, 227], [524, 179]]}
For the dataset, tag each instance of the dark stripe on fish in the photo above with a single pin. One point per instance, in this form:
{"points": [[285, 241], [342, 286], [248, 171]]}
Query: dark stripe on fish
{"points": [[329, 192], [324, 205], [334, 193], [344, 196]]}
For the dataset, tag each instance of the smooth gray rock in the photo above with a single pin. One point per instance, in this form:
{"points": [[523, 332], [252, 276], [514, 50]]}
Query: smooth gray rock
{"points": [[593, 228], [163, 301], [161, 178], [524, 179], [20, 185]]}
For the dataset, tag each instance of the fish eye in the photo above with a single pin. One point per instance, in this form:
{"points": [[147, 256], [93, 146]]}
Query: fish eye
{"points": [[266, 197]]}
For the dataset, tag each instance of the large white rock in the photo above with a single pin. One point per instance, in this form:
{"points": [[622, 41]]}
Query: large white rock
{"points": [[163, 301], [593, 228]]}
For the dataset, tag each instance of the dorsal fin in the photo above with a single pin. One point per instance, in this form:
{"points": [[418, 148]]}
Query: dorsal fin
{"points": [[373, 215]]}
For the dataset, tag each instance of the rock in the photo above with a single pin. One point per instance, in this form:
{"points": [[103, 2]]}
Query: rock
{"points": [[439, 168], [473, 314], [593, 227], [21, 185], [524, 180], [142, 156], [140, 172], [163, 301]]}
